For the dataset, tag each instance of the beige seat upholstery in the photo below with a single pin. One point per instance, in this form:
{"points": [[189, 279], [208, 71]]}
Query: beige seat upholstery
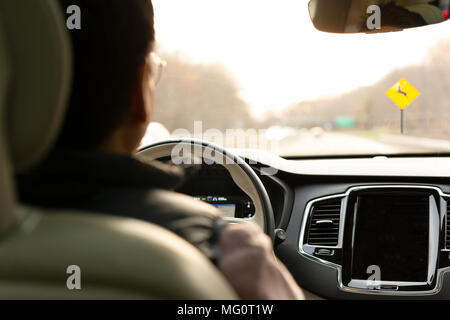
{"points": [[119, 258]]}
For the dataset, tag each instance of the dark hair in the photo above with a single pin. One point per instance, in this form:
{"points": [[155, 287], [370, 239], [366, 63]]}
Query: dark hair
{"points": [[115, 38]]}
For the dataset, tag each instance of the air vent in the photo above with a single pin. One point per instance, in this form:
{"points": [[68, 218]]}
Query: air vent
{"points": [[324, 224], [447, 225]]}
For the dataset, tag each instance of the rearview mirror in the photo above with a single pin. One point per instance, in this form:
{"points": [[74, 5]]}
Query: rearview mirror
{"points": [[372, 16]]}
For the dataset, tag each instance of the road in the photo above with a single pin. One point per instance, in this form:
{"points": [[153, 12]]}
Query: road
{"points": [[303, 144]]}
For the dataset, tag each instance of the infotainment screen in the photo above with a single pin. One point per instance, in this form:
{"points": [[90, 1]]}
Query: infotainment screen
{"points": [[391, 231]]}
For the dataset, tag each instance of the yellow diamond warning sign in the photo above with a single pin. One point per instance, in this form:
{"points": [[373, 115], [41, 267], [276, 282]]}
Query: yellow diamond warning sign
{"points": [[402, 93]]}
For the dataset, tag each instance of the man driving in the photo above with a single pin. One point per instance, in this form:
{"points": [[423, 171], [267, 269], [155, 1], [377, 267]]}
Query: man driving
{"points": [[93, 168]]}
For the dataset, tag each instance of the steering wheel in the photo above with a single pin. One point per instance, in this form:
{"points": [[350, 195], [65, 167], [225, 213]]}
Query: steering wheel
{"points": [[192, 151]]}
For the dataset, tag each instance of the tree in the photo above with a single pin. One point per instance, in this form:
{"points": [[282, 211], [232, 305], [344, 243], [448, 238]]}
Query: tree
{"points": [[191, 92], [428, 116]]}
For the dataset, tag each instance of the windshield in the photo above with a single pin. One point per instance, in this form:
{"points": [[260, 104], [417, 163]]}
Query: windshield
{"points": [[256, 74]]}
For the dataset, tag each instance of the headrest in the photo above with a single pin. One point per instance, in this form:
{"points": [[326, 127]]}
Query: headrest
{"points": [[40, 72]]}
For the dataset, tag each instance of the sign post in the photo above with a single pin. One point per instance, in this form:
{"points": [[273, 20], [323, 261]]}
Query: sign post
{"points": [[402, 118], [402, 94]]}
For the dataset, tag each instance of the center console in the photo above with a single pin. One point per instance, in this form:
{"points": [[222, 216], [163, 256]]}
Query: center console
{"points": [[381, 239]]}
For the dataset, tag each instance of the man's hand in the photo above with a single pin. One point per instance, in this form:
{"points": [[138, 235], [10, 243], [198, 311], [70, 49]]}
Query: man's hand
{"points": [[248, 262]]}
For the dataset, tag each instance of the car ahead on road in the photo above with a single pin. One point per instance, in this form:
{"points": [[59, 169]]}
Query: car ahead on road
{"points": [[354, 211]]}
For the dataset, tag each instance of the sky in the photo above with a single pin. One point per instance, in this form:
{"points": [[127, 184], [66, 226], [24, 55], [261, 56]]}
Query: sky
{"points": [[275, 54]]}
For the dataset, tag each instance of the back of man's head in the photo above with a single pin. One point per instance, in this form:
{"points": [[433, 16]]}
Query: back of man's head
{"points": [[115, 38]]}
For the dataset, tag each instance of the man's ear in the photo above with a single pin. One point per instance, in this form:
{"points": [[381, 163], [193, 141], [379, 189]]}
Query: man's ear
{"points": [[139, 108]]}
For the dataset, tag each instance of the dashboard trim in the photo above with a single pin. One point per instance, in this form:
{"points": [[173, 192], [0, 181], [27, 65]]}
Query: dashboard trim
{"points": [[439, 273], [425, 167]]}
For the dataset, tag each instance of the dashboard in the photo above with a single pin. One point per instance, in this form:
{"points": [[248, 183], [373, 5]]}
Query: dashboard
{"points": [[346, 232]]}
